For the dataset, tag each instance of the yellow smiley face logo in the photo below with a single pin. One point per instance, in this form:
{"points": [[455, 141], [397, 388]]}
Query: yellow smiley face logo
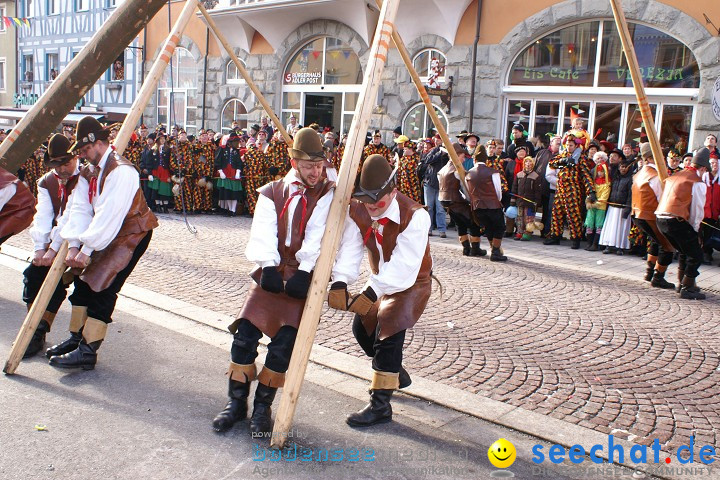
{"points": [[501, 453]]}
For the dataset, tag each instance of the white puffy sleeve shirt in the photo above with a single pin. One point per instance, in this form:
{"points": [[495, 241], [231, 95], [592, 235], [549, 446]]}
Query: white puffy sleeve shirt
{"points": [[262, 247], [401, 271]]}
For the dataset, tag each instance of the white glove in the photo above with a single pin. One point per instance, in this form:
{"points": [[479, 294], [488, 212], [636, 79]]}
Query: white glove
{"points": [[237, 175], [150, 178], [222, 175]]}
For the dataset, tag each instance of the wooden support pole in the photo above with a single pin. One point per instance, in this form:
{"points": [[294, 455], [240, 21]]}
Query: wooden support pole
{"points": [[241, 68], [156, 72], [76, 79], [400, 45], [642, 100], [335, 222], [36, 311]]}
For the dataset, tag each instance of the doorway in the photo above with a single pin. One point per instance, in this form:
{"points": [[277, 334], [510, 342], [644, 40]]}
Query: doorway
{"points": [[323, 109]]}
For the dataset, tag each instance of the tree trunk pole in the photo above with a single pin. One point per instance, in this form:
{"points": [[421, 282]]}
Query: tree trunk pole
{"points": [[156, 72], [642, 100], [241, 68], [76, 80], [335, 222]]}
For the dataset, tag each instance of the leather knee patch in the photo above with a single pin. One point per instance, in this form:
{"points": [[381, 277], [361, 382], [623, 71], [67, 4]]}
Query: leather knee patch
{"points": [[242, 373], [385, 381], [271, 378]]}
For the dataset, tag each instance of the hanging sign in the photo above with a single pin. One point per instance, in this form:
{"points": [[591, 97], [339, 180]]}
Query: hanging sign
{"points": [[303, 78]]}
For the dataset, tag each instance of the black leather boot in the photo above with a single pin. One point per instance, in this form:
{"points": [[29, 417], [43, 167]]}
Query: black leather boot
{"points": [[576, 244], [658, 281], [551, 240], [466, 247], [681, 275], [476, 251], [404, 378], [497, 256], [261, 420], [84, 356], [591, 240], [690, 291], [650, 271], [65, 347], [236, 408], [377, 411], [595, 244], [37, 342]]}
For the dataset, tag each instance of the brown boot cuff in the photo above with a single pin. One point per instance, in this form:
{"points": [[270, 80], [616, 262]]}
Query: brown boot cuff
{"points": [[94, 330], [49, 317], [271, 378], [385, 381], [242, 373], [78, 318]]}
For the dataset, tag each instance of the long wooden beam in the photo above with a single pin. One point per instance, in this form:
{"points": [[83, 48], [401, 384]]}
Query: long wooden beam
{"points": [[116, 33], [642, 100], [156, 72], [241, 68], [335, 222]]}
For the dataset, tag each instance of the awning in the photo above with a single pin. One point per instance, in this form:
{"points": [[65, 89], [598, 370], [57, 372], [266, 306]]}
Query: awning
{"points": [[18, 114]]}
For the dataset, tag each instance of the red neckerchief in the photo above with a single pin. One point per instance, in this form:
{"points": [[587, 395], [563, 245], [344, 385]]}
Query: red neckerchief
{"points": [[691, 168], [375, 227], [61, 187], [303, 198]]}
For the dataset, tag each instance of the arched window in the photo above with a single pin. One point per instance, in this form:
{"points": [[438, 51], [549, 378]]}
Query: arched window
{"points": [[417, 122], [232, 74], [430, 60], [580, 71], [321, 84], [177, 92], [233, 111]]}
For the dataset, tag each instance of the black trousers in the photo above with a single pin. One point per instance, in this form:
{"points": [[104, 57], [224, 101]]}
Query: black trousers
{"points": [[546, 207], [2, 240], [464, 224], [245, 345], [655, 249], [101, 305], [493, 220], [386, 354], [34, 277], [685, 239]]}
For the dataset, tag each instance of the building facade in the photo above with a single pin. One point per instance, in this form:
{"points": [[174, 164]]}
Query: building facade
{"points": [[58, 30], [8, 56], [539, 65]]}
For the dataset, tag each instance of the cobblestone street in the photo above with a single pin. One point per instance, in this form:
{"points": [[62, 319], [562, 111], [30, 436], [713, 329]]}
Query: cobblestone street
{"points": [[551, 330]]}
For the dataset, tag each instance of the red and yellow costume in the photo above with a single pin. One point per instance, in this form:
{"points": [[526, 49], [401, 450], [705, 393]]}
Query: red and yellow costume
{"points": [[569, 194]]}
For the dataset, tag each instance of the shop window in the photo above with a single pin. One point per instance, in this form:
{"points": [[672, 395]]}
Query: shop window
{"points": [[51, 66], [634, 125], [341, 64], [675, 127], [417, 122], [233, 111], [177, 92]]}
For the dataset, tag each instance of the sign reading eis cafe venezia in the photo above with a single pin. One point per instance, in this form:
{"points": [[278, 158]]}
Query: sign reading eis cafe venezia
{"points": [[621, 74]]}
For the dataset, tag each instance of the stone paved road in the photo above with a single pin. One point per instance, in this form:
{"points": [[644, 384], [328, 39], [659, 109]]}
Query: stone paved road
{"points": [[550, 331]]}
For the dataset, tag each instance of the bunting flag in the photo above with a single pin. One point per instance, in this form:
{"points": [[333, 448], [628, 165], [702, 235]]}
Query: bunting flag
{"points": [[346, 53], [18, 22], [334, 54], [316, 53]]}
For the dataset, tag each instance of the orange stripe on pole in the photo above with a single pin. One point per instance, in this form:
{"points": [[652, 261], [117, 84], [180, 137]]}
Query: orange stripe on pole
{"points": [[381, 57], [165, 57], [389, 24], [384, 44]]}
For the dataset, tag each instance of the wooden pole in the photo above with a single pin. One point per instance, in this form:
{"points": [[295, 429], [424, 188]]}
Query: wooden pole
{"points": [[241, 68], [335, 221], [400, 45], [156, 72], [642, 100], [76, 79], [36, 311]]}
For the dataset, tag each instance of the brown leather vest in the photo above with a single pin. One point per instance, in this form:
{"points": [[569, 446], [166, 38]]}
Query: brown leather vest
{"points": [[481, 187], [644, 201], [17, 214], [449, 185], [52, 184], [279, 193], [390, 233], [677, 195]]}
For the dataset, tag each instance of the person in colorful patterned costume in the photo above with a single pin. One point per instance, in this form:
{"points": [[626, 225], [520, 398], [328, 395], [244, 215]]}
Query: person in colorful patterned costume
{"points": [[257, 169], [182, 168], [407, 163]]}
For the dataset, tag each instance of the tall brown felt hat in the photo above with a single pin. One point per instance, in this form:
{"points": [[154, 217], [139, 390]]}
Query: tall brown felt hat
{"points": [[377, 178], [57, 152], [307, 146], [89, 131]]}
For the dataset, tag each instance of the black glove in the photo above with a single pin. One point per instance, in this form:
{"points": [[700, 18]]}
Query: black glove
{"points": [[274, 171], [592, 197], [298, 285], [626, 212], [271, 280]]}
